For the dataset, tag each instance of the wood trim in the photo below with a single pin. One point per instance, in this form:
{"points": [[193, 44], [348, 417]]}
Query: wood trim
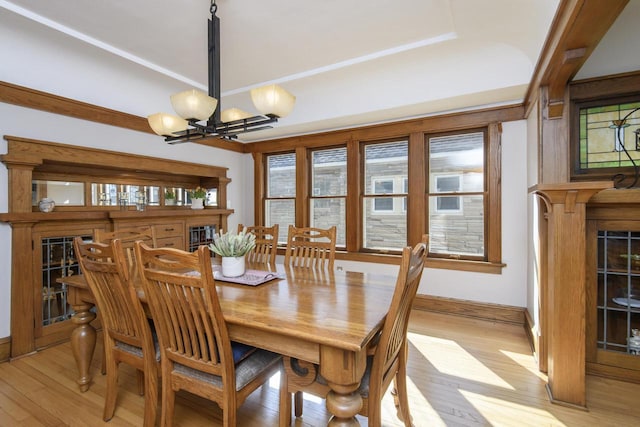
{"points": [[494, 194], [38, 100], [302, 188], [465, 265], [37, 151], [477, 310], [605, 87], [353, 221], [5, 349], [44, 101], [258, 188], [576, 30], [613, 372], [530, 331], [417, 198], [441, 123]]}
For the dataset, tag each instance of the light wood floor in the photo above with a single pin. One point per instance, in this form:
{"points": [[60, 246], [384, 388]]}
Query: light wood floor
{"points": [[462, 372]]}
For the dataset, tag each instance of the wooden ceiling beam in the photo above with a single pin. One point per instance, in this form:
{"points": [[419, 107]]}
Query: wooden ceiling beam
{"points": [[576, 30]]}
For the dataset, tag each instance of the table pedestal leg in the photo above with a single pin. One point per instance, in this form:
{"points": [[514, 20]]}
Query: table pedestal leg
{"points": [[83, 342], [344, 407], [343, 371]]}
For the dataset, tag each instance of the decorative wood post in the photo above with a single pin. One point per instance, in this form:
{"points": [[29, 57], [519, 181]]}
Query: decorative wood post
{"points": [[565, 287]]}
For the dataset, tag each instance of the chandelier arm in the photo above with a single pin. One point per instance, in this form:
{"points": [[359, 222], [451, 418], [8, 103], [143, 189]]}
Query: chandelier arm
{"points": [[620, 177], [228, 131]]}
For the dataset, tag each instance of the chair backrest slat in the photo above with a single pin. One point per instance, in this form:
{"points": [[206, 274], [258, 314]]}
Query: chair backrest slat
{"points": [[266, 247], [310, 247], [182, 297]]}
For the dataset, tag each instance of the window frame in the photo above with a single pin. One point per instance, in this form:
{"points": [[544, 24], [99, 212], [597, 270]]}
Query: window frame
{"points": [[624, 173]]}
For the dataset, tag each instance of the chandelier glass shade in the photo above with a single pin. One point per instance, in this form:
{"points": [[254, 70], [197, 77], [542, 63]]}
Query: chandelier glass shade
{"points": [[272, 99], [193, 104], [194, 107]]}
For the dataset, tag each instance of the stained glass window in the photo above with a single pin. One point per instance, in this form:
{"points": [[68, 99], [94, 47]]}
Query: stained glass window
{"points": [[609, 136]]}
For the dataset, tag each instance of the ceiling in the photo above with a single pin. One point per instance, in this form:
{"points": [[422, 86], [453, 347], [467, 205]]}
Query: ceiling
{"points": [[348, 62]]}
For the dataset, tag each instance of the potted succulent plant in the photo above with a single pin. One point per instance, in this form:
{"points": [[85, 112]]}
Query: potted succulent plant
{"points": [[197, 196], [232, 248]]}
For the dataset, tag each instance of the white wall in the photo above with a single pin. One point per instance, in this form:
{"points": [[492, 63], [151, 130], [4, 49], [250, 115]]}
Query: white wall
{"points": [[45, 60], [508, 288]]}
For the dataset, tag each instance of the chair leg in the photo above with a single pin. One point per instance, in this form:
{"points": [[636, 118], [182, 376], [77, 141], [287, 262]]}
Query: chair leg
{"points": [[140, 381], [112, 388], [168, 402], [150, 399], [229, 412], [401, 398], [103, 368], [299, 402]]}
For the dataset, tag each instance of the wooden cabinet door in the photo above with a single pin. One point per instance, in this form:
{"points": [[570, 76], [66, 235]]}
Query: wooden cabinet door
{"points": [[53, 258], [613, 297]]}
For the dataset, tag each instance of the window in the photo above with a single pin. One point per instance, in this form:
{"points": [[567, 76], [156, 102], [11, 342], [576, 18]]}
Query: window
{"points": [[329, 191], [384, 196], [456, 196], [384, 192], [602, 142], [605, 138], [279, 204]]}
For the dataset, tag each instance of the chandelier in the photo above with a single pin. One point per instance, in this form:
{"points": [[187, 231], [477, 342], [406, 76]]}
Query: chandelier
{"points": [[193, 106]]}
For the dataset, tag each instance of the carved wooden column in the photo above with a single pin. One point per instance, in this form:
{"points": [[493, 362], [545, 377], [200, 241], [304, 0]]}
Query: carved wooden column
{"points": [[565, 287]]}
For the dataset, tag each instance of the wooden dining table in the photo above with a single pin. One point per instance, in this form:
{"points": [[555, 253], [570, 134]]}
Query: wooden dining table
{"points": [[325, 318]]}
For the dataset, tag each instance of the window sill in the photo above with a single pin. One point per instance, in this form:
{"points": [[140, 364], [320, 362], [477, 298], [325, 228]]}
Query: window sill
{"points": [[465, 265], [449, 264]]}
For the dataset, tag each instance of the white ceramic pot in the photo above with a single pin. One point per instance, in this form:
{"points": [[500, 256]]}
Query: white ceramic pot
{"points": [[197, 203], [232, 266]]}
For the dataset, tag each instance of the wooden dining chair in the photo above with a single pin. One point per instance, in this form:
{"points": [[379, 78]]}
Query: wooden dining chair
{"points": [[310, 247], [127, 333], [127, 239], [266, 243], [386, 356], [196, 352]]}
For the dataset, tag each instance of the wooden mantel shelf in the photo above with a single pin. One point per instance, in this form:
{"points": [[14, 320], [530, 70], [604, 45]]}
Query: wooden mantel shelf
{"points": [[573, 192], [564, 287], [105, 215]]}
